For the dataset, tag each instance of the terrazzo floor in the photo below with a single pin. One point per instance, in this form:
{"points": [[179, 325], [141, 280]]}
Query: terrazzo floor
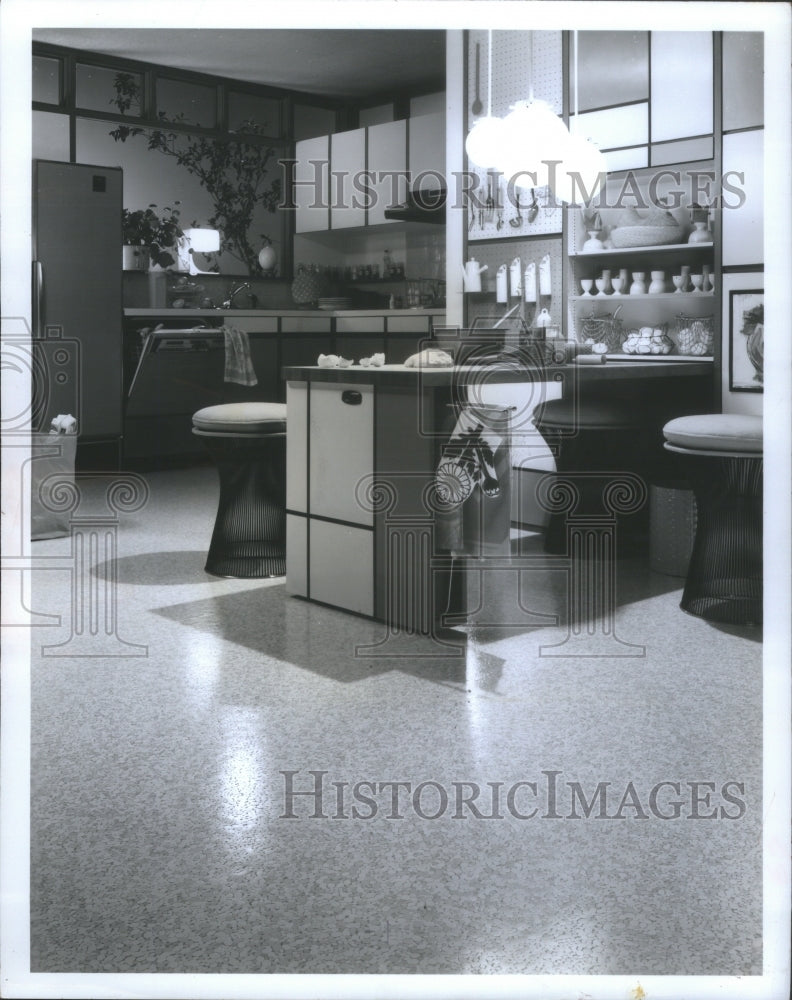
{"points": [[158, 837]]}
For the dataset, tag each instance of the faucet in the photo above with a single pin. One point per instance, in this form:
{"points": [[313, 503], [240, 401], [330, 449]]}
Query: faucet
{"points": [[229, 302]]}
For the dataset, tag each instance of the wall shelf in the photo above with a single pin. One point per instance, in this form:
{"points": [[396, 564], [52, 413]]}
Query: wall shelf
{"points": [[631, 251], [682, 297]]}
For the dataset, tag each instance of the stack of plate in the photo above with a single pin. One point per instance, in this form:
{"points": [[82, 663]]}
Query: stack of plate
{"points": [[334, 303]]}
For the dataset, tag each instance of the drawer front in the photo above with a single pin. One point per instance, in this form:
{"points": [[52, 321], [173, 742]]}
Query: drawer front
{"points": [[297, 446], [296, 555], [410, 324], [252, 324], [342, 566], [341, 449], [305, 324], [360, 324]]}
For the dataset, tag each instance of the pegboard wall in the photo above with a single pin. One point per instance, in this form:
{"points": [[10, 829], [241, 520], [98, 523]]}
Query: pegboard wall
{"points": [[518, 59], [514, 53], [528, 251]]}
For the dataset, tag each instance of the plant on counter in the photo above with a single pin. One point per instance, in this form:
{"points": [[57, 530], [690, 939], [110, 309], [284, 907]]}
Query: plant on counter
{"points": [[232, 171], [144, 228]]}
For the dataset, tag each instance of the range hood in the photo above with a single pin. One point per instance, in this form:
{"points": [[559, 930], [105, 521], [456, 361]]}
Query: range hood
{"points": [[426, 205]]}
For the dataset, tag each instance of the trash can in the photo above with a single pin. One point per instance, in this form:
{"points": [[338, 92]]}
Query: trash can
{"points": [[52, 486], [672, 527]]}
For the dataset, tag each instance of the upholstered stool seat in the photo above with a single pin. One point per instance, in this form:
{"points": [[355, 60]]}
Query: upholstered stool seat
{"points": [[724, 466], [595, 435], [247, 442]]}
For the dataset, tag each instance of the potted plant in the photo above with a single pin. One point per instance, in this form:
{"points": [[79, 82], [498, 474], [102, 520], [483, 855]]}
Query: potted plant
{"points": [[150, 239], [234, 171]]}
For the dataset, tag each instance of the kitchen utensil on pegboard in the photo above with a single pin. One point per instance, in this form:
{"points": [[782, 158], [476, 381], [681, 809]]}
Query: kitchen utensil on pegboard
{"points": [[515, 278], [545, 284], [502, 284], [529, 282], [477, 107]]}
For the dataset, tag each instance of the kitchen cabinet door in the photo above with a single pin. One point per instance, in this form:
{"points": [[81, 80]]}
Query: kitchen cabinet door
{"points": [[342, 450], [297, 555], [387, 153], [311, 174], [341, 566], [347, 165], [297, 451], [427, 151]]}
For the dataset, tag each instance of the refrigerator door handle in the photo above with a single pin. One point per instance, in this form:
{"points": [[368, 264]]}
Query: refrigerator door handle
{"points": [[38, 298]]}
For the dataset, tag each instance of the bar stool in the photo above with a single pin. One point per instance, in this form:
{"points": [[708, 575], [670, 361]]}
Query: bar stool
{"points": [[247, 442], [724, 463], [594, 435]]}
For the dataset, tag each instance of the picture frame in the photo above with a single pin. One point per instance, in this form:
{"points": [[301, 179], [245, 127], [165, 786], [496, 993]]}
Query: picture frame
{"points": [[746, 335]]}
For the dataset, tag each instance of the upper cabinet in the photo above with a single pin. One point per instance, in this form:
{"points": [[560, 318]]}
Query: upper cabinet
{"points": [[311, 190], [347, 167], [367, 170], [387, 151], [645, 98], [427, 151]]}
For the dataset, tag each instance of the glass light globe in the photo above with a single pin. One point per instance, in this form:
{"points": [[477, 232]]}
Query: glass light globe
{"points": [[484, 141], [581, 173], [534, 136]]}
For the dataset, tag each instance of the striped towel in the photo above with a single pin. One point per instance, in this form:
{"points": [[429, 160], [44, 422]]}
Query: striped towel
{"points": [[238, 365]]}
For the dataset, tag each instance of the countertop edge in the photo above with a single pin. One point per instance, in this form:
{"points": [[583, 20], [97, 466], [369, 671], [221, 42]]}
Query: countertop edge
{"points": [[401, 375]]}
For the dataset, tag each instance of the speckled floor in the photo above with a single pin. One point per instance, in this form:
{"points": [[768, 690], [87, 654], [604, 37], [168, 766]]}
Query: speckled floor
{"points": [[158, 840]]}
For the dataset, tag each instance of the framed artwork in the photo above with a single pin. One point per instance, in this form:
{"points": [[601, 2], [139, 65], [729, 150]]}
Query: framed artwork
{"points": [[746, 334]]}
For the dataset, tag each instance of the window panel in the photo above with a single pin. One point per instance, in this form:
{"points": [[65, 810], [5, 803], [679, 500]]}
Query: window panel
{"points": [[102, 89], [743, 79], [627, 159], [264, 111], [194, 102], [612, 66], [614, 127], [46, 80], [683, 151], [311, 121], [50, 136], [681, 84]]}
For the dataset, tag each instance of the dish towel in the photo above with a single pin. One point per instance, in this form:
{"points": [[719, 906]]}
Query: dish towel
{"points": [[238, 365], [468, 461]]}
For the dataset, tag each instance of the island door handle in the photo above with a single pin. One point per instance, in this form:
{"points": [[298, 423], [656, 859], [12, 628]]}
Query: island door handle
{"points": [[351, 397]]}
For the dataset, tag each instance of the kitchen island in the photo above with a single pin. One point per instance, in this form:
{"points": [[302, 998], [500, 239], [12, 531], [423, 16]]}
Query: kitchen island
{"points": [[363, 448]]}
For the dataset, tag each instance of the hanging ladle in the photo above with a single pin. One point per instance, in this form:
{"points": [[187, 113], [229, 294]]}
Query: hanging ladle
{"points": [[533, 211], [477, 107], [516, 222]]}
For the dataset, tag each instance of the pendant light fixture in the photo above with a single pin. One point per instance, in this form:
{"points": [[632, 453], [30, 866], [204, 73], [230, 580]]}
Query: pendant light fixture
{"points": [[536, 136], [532, 146], [484, 140]]}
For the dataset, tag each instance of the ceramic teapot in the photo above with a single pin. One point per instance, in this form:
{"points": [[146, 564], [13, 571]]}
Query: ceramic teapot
{"points": [[471, 275]]}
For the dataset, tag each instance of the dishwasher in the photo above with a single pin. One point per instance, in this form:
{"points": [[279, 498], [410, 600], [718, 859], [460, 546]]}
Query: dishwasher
{"points": [[178, 371]]}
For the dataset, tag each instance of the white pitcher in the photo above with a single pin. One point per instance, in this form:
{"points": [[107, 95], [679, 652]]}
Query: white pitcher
{"points": [[471, 275]]}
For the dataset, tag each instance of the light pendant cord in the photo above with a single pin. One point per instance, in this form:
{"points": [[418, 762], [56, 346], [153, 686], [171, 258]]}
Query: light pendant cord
{"points": [[489, 73], [530, 68], [575, 58]]}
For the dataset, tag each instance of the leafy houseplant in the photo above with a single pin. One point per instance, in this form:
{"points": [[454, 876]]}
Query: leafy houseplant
{"points": [[233, 171], [159, 233]]}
